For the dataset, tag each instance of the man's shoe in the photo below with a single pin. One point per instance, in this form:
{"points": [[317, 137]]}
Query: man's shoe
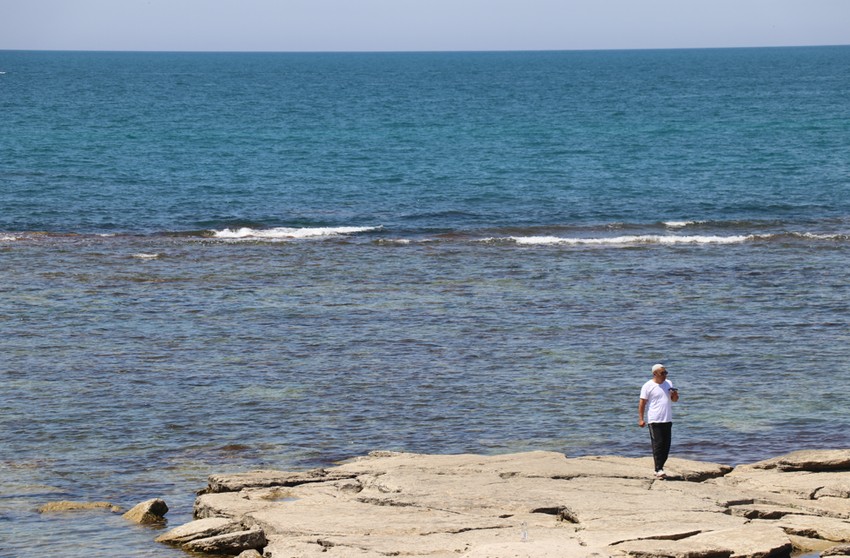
{"points": [[660, 475]]}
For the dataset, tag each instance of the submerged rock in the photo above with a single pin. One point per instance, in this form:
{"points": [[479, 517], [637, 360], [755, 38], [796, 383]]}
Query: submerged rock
{"points": [[838, 550], [66, 505], [534, 505]]}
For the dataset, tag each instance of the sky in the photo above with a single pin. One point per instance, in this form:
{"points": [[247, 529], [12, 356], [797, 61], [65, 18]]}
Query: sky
{"points": [[417, 25]]}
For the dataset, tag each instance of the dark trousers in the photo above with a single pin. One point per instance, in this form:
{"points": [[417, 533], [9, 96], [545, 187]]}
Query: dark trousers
{"points": [[661, 434]]}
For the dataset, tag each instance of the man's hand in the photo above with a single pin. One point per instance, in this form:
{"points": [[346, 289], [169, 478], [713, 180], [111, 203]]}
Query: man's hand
{"points": [[641, 412]]}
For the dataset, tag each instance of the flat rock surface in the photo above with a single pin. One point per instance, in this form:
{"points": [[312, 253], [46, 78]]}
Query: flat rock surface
{"points": [[540, 504], [199, 529], [65, 505], [807, 460]]}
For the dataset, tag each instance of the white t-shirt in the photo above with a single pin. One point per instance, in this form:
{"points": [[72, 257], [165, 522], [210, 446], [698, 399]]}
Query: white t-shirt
{"points": [[660, 408]]}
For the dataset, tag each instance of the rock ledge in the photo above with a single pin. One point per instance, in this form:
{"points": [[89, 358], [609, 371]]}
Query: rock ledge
{"points": [[534, 504]]}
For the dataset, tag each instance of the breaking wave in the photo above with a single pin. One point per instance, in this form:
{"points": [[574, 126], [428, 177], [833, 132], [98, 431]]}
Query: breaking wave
{"points": [[287, 233], [626, 240], [670, 239]]}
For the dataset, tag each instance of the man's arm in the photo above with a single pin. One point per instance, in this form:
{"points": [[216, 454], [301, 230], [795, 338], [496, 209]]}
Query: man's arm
{"points": [[641, 409], [674, 395]]}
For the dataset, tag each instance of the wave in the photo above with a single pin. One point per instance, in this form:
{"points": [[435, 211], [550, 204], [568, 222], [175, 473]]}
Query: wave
{"points": [[682, 224], [625, 240], [662, 227], [822, 236], [287, 233], [655, 239], [590, 236], [394, 241]]}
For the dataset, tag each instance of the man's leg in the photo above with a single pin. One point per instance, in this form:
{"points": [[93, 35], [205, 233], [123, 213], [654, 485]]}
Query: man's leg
{"points": [[661, 435]]}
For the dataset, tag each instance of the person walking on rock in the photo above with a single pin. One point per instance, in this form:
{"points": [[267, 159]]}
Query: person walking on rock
{"points": [[660, 395]]}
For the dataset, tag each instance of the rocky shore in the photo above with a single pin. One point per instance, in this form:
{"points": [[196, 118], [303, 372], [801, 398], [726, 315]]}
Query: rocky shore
{"points": [[536, 504]]}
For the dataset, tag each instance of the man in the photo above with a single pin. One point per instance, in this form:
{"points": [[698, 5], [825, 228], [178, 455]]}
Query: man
{"points": [[660, 394]]}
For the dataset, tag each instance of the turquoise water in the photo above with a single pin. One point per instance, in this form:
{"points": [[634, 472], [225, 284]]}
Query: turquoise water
{"points": [[217, 262]]}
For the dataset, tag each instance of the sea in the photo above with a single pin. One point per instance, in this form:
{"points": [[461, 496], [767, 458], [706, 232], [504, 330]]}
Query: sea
{"points": [[219, 262]]}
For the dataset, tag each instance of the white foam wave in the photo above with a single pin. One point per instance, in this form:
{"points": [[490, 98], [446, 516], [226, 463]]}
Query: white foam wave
{"points": [[7, 238], [680, 224], [286, 233], [142, 256], [393, 241], [816, 236], [628, 240]]}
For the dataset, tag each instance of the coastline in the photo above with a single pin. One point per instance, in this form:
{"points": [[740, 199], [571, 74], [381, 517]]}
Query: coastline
{"points": [[535, 504]]}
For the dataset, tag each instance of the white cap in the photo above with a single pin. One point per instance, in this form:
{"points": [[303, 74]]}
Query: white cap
{"points": [[657, 367]]}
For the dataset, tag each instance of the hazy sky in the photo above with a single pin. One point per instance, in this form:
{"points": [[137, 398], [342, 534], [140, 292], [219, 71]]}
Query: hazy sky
{"points": [[346, 25]]}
